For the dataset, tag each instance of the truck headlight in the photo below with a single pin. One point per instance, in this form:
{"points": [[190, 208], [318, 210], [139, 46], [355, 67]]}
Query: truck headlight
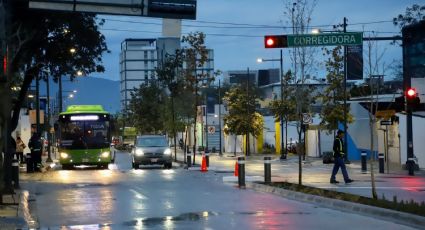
{"points": [[167, 152], [64, 155], [139, 152], [105, 154]]}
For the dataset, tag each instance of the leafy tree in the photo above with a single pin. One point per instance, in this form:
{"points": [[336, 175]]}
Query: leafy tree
{"points": [[168, 74], [146, 108], [413, 14], [333, 96], [242, 119], [285, 107], [40, 41], [195, 56]]}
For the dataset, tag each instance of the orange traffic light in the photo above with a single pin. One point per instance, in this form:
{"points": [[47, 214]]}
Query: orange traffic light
{"points": [[275, 41]]}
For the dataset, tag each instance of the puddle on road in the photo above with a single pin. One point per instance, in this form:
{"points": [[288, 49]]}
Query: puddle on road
{"points": [[172, 221], [202, 216]]}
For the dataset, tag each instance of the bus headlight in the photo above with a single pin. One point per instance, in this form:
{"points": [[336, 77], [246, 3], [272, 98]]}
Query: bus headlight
{"points": [[105, 154], [139, 152], [64, 155], [167, 152]]}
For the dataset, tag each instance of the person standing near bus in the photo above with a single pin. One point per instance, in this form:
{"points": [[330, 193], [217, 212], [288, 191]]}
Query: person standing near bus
{"points": [[20, 146], [35, 146]]}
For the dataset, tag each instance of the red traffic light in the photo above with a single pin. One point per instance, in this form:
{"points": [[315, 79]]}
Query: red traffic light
{"points": [[411, 92], [275, 41]]}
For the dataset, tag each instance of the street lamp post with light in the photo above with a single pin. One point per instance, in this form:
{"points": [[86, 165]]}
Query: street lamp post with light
{"points": [[283, 152], [78, 73]]}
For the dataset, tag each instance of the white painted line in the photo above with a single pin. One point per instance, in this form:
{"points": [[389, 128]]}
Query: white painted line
{"points": [[194, 168]]}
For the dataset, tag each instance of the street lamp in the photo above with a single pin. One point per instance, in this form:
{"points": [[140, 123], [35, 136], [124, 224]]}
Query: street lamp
{"points": [[70, 96], [260, 60], [72, 50]]}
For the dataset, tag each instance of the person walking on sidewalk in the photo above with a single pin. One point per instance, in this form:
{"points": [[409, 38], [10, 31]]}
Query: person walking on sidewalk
{"points": [[36, 148], [338, 148], [20, 146]]}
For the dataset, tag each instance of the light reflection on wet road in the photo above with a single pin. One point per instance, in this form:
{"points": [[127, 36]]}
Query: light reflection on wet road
{"points": [[155, 198]]}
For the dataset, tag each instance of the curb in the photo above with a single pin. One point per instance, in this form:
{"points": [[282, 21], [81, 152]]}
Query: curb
{"points": [[361, 209], [24, 210]]}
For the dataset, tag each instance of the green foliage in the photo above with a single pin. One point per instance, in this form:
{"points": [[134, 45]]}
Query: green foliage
{"points": [[412, 15], [287, 107], [146, 108], [333, 96], [242, 117], [402, 206], [43, 39]]}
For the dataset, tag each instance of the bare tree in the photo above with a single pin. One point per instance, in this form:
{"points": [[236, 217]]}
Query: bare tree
{"points": [[299, 12]]}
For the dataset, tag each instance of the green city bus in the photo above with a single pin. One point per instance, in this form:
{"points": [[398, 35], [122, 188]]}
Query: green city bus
{"points": [[84, 136]]}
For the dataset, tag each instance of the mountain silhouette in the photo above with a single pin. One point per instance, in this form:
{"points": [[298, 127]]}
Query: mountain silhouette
{"points": [[90, 91]]}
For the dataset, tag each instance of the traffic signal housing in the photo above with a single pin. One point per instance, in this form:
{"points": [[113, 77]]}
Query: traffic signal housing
{"points": [[275, 41], [412, 99]]}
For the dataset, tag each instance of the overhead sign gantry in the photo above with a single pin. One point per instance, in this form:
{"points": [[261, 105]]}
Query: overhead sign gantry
{"points": [[176, 9]]}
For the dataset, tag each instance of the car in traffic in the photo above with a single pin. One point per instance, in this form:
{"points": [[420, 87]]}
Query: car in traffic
{"points": [[151, 150]]}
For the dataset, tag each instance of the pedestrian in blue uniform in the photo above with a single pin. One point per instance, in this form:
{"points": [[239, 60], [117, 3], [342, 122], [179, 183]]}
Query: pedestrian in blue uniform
{"points": [[339, 159]]}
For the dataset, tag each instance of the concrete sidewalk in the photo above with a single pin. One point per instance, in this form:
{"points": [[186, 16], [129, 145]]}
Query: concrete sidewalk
{"points": [[396, 183]]}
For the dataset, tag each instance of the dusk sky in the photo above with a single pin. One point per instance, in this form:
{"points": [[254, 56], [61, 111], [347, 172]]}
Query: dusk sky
{"points": [[236, 48]]}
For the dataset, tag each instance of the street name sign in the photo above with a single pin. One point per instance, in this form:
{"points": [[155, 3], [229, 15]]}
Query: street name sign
{"points": [[329, 39], [387, 122], [385, 113]]}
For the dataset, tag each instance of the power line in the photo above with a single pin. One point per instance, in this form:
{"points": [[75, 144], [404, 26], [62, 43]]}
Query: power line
{"points": [[223, 34], [243, 25], [209, 34]]}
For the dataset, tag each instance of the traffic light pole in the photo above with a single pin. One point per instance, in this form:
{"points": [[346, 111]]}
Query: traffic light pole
{"points": [[283, 150], [407, 82]]}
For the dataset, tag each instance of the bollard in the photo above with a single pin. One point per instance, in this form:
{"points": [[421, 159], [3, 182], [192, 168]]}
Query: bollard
{"points": [[15, 173], [410, 164], [188, 160], [381, 162], [267, 170], [30, 165], [364, 161], [207, 158], [241, 172]]}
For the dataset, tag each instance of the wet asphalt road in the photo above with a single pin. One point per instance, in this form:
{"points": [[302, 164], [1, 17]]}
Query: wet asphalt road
{"points": [[155, 198]]}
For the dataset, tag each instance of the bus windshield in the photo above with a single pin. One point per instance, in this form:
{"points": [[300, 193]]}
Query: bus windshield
{"points": [[84, 134]]}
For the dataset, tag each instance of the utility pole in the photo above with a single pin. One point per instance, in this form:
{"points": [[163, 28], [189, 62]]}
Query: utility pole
{"points": [[49, 136], [345, 97], [60, 95], [248, 104], [37, 103], [219, 115], [206, 122]]}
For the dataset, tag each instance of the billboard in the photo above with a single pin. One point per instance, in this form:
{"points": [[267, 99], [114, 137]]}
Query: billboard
{"points": [[355, 62]]}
